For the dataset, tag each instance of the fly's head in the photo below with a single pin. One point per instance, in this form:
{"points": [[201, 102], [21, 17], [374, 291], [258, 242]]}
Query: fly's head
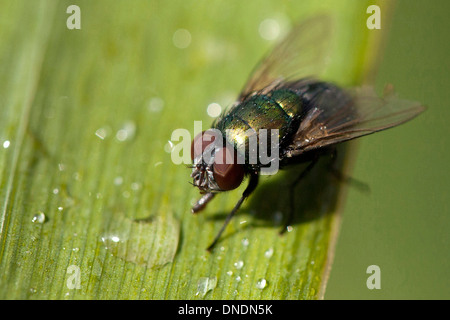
{"points": [[214, 167]]}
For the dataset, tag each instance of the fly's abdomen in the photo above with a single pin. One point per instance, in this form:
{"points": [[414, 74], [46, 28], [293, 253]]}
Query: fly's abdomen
{"points": [[278, 110]]}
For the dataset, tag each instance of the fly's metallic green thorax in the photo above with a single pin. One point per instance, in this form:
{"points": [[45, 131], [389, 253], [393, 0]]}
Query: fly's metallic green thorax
{"points": [[278, 109]]}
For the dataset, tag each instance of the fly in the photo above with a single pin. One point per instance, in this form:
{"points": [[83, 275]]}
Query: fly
{"points": [[309, 118]]}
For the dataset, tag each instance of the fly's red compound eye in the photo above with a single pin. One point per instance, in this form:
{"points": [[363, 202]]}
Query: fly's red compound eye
{"points": [[200, 142], [228, 174]]}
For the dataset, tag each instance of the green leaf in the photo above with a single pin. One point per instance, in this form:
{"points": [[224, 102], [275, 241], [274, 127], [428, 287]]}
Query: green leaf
{"points": [[91, 205]]}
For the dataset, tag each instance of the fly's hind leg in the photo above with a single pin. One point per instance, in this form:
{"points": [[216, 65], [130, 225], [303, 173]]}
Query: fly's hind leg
{"points": [[333, 170], [302, 175], [341, 177]]}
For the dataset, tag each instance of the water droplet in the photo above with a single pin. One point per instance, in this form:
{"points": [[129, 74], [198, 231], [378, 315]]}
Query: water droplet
{"points": [[77, 176], [261, 283], [118, 180], [115, 239], [127, 131], [169, 147], [289, 228], [128, 239], [135, 186], [205, 284], [155, 104], [214, 109], [268, 253], [245, 242], [6, 144], [239, 264], [181, 38], [55, 191], [38, 217], [230, 273], [238, 279], [102, 133], [269, 29]]}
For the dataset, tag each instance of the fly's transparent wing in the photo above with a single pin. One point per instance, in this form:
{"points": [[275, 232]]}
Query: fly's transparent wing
{"points": [[302, 53], [344, 115]]}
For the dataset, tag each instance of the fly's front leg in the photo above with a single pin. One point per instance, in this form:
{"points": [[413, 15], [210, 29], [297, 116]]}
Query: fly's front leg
{"points": [[254, 178], [202, 202]]}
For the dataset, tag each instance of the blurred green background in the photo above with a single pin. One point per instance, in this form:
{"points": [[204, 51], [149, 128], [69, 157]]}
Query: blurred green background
{"points": [[403, 224]]}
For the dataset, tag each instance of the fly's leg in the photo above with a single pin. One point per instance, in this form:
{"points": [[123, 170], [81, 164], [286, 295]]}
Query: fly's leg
{"points": [[202, 202], [302, 175], [360, 185], [250, 188]]}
